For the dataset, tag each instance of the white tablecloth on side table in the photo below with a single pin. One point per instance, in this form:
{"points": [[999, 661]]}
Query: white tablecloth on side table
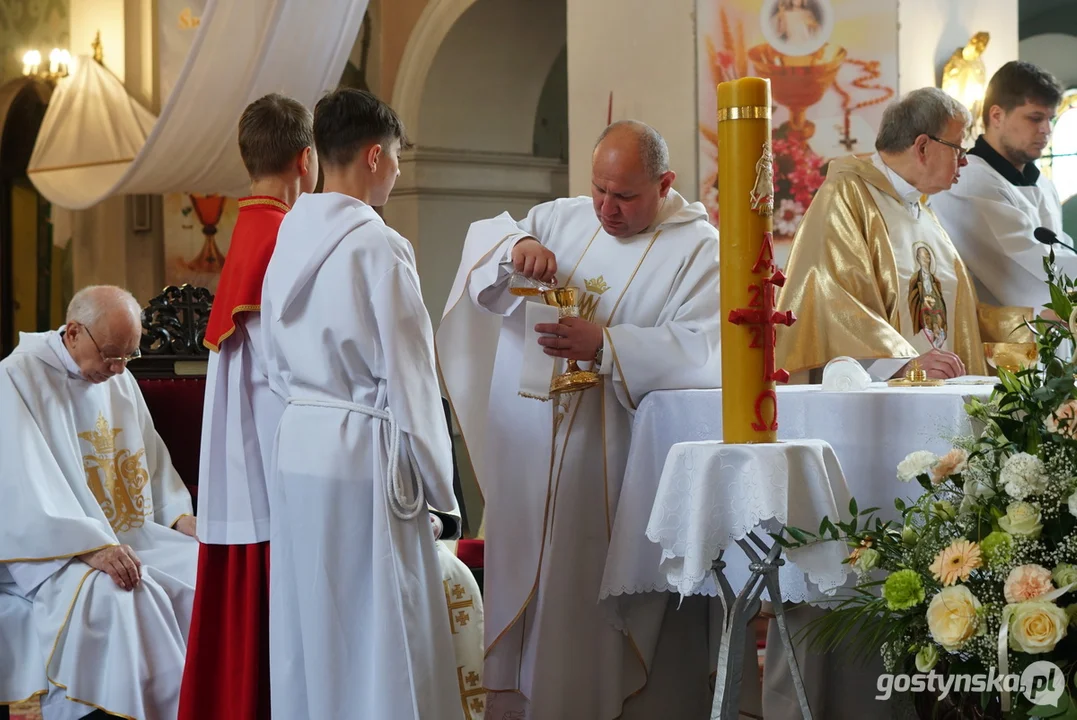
{"points": [[711, 494], [871, 432], [714, 496]]}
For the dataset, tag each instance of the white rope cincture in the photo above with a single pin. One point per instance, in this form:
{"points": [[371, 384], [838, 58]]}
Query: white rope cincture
{"points": [[402, 507]]}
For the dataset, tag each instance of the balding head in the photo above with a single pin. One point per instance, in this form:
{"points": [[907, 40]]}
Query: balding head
{"points": [[630, 176], [103, 322]]}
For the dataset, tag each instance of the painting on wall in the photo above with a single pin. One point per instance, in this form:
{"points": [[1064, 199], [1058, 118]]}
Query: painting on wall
{"points": [[198, 231], [832, 66]]}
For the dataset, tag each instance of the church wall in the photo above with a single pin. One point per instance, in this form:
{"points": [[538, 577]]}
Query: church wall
{"points": [[106, 248], [1054, 52], [930, 31], [483, 88], [397, 19], [644, 52]]}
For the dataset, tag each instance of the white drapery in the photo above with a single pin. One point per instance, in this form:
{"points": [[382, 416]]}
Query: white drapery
{"points": [[90, 148]]}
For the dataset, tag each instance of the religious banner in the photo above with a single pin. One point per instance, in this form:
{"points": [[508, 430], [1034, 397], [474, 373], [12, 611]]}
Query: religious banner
{"points": [[179, 21], [198, 231], [832, 66]]}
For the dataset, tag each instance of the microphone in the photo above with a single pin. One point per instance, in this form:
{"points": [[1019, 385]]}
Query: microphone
{"points": [[1048, 237]]}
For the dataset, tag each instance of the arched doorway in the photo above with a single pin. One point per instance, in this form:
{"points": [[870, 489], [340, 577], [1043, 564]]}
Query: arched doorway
{"points": [[483, 90], [469, 90], [32, 288]]}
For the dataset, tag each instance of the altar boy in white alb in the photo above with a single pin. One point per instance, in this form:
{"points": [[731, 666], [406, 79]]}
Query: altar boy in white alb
{"points": [[358, 622], [646, 262], [993, 212], [96, 586]]}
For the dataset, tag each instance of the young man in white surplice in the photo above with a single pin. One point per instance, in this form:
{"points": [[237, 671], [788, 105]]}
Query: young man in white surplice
{"points": [[97, 548], [358, 622], [998, 212], [646, 262]]}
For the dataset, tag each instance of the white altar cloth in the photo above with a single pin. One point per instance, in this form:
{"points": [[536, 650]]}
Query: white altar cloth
{"points": [[871, 432], [711, 494]]}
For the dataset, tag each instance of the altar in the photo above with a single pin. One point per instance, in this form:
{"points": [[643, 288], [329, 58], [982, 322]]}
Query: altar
{"points": [[870, 431]]}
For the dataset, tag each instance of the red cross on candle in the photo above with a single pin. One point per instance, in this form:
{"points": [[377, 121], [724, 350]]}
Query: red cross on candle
{"points": [[764, 319]]}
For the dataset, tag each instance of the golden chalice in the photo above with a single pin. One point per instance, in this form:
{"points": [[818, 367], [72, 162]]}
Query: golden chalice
{"points": [[798, 82], [566, 300], [1011, 356]]}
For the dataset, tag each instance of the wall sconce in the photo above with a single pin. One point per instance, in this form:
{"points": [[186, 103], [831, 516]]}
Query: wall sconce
{"points": [[965, 79], [58, 66]]}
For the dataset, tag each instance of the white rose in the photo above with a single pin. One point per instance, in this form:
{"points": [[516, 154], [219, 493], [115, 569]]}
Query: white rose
{"points": [[1022, 519], [1037, 626], [952, 617], [916, 464], [1023, 475], [1072, 502]]}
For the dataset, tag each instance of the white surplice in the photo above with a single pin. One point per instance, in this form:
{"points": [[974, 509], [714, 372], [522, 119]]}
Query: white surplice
{"points": [[991, 222], [358, 623], [81, 469], [551, 472], [239, 421]]}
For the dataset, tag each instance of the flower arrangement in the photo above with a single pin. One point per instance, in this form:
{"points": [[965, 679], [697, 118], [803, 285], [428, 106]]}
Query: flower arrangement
{"points": [[979, 574]]}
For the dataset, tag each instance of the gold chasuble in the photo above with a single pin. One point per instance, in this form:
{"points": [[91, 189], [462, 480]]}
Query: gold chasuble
{"points": [[873, 275]]}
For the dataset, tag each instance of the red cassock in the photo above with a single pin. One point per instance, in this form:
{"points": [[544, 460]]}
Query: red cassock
{"points": [[227, 671]]}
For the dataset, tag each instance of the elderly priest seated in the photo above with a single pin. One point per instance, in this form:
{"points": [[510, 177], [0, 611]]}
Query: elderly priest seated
{"points": [[873, 275], [97, 554]]}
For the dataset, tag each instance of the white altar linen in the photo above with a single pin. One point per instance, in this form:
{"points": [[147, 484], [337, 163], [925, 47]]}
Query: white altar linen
{"points": [[870, 431], [711, 494]]}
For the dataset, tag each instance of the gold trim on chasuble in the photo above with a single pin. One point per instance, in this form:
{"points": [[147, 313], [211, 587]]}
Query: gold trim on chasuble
{"points": [[56, 642], [116, 478], [470, 690], [459, 602], [272, 202], [554, 482]]}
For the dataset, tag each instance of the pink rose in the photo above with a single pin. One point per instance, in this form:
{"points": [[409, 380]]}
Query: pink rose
{"points": [[952, 463], [1063, 421], [1027, 582]]}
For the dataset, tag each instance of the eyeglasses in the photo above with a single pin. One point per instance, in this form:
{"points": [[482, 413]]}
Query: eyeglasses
{"points": [[961, 152], [123, 359]]}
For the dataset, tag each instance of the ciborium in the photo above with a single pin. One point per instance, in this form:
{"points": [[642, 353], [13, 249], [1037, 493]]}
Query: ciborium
{"points": [[566, 300], [798, 82]]}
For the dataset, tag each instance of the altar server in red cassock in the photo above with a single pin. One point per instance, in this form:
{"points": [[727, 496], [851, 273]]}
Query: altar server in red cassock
{"points": [[227, 670]]}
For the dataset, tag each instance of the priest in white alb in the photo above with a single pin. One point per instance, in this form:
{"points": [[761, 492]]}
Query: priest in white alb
{"points": [[646, 263], [873, 275], [999, 210], [357, 617], [97, 548]]}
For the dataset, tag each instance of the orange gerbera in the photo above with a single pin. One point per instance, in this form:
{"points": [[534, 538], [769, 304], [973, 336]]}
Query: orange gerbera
{"points": [[956, 562]]}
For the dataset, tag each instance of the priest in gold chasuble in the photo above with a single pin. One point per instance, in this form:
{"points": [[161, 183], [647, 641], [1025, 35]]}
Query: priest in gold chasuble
{"points": [[97, 547], [873, 275]]}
